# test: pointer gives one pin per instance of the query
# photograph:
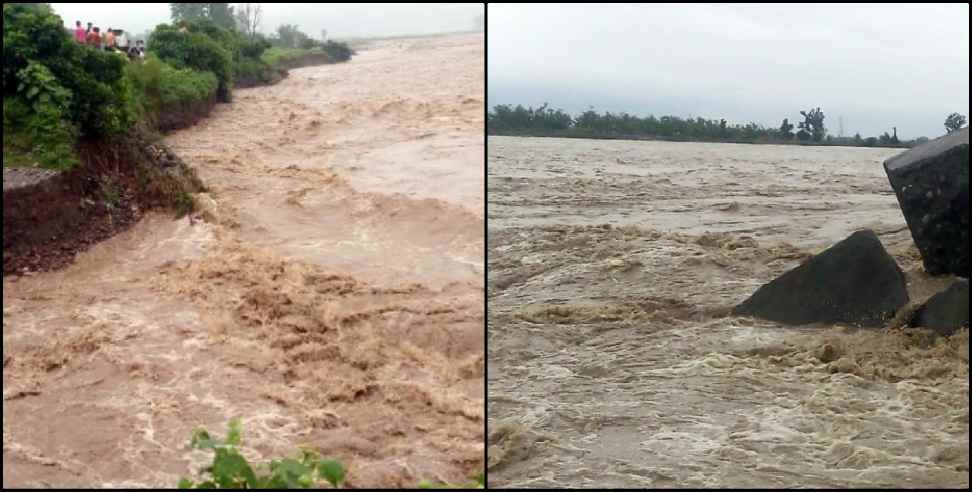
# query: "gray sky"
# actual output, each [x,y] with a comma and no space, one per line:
[878,66]
[340,19]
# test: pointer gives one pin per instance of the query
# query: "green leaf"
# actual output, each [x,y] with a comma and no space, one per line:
[332,471]
[234,437]
[185,483]
[229,467]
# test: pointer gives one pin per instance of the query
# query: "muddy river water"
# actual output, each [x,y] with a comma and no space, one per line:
[331,296]
[613,361]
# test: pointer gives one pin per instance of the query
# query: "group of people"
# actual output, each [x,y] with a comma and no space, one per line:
[112,40]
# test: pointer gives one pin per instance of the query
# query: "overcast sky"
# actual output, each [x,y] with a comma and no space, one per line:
[877,66]
[340,19]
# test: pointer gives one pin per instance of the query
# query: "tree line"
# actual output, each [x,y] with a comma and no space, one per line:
[545,121]
[247,18]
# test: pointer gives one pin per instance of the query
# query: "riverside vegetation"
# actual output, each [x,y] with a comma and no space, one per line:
[58,93]
[513,121]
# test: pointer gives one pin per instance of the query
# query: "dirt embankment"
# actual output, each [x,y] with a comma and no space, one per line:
[50,218]
[182,116]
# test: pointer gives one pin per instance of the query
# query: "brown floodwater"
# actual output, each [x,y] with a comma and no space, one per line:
[330,294]
[613,361]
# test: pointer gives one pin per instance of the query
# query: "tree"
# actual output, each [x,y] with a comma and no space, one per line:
[814,124]
[248,18]
[219,13]
[786,129]
[954,122]
[222,15]
[289,35]
[181,11]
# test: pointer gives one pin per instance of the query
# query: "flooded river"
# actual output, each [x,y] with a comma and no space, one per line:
[613,361]
[330,297]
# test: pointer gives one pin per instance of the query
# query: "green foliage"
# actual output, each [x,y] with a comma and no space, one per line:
[339,52]
[276,57]
[37,136]
[813,124]
[543,121]
[84,86]
[786,129]
[954,122]
[219,13]
[231,470]
[197,51]
[289,36]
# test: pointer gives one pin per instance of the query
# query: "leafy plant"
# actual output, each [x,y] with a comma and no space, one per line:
[231,470]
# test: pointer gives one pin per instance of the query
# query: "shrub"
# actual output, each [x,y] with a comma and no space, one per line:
[230,470]
[339,52]
[33,36]
[197,51]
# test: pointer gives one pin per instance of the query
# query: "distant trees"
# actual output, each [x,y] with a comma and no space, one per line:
[544,121]
[786,129]
[249,16]
[813,125]
[220,13]
[954,122]
[290,36]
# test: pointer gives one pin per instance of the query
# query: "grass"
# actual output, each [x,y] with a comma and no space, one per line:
[19,151]
[275,56]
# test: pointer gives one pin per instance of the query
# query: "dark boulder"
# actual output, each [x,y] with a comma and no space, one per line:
[932,185]
[854,282]
[947,311]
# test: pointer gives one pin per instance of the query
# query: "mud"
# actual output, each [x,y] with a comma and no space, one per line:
[614,362]
[49,217]
[329,292]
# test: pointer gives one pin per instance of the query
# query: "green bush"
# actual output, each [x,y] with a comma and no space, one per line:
[37,135]
[98,102]
[230,470]
[339,52]
[162,86]
[197,51]
[275,57]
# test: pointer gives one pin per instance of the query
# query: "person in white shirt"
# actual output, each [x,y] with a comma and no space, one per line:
[121,41]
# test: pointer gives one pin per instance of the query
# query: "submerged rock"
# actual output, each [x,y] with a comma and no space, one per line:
[932,185]
[855,282]
[947,312]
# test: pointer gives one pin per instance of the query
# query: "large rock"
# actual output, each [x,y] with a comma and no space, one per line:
[947,311]
[854,282]
[932,184]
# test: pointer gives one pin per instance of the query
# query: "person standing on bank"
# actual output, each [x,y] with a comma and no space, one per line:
[80,35]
